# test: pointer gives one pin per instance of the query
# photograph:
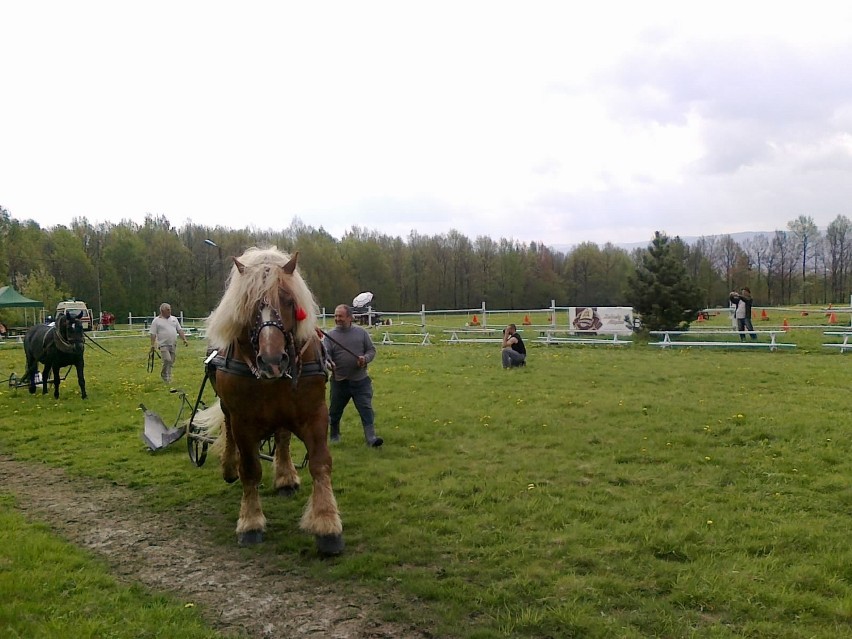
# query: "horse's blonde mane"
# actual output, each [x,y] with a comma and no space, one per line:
[243,290]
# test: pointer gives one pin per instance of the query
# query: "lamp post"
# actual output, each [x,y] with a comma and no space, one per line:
[213,244]
[86,240]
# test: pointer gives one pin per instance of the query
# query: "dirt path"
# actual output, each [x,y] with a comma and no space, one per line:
[233,592]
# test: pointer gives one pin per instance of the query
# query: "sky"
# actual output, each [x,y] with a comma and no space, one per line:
[553,122]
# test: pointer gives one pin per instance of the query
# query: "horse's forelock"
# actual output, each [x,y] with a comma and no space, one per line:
[244,289]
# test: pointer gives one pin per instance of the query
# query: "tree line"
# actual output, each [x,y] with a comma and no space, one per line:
[130,268]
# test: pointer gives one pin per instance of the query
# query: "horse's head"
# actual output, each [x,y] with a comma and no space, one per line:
[276,318]
[267,313]
[70,337]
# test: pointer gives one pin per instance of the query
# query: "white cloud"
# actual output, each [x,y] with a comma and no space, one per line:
[544,121]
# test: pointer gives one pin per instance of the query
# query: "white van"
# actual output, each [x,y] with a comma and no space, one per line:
[76,306]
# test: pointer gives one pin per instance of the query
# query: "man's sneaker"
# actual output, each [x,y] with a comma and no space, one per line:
[334,439]
[378,441]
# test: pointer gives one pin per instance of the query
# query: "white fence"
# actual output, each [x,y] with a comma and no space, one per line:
[601,320]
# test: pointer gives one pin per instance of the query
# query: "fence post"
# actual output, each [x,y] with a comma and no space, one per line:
[423,317]
[553,313]
[484,317]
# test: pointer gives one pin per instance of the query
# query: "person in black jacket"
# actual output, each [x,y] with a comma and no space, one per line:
[742,302]
[514,351]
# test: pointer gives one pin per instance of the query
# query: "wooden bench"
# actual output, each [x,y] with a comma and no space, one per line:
[404,339]
[553,336]
[668,342]
[844,345]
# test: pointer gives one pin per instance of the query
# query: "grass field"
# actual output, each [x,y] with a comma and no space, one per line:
[599,492]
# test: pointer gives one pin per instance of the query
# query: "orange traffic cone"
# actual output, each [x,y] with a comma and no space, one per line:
[474,321]
[804,313]
[786,325]
[832,319]
[527,321]
[701,317]
[763,315]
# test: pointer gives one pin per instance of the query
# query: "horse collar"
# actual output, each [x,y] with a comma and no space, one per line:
[61,343]
[294,367]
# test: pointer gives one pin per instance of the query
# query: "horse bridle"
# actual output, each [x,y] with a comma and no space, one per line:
[294,361]
[261,324]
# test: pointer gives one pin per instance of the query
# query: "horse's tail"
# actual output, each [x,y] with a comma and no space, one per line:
[210,421]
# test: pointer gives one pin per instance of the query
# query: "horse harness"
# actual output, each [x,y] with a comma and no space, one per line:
[244,367]
[61,342]
[296,367]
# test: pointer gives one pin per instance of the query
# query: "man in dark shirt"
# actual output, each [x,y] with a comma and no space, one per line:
[351,349]
[514,351]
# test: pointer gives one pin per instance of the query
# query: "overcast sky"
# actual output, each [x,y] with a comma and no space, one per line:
[559,122]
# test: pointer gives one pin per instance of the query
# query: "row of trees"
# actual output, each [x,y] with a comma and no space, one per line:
[130,268]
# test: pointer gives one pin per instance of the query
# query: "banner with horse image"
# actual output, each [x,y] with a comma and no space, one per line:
[601,320]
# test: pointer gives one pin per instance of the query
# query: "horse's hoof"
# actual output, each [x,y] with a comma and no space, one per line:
[230,480]
[250,538]
[288,491]
[330,545]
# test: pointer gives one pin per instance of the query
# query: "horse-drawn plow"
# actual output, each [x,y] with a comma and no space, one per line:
[156,434]
[21,382]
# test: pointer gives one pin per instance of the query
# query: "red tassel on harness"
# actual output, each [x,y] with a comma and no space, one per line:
[301,314]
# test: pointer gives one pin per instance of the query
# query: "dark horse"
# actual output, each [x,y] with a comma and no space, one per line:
[270,376]
[56,346]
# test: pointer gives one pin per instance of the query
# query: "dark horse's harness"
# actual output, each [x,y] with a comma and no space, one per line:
[61,342]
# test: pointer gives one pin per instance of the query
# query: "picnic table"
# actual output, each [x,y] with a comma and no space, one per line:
[480,335]
[570,336]
[844,345]
[671,339]
[405,339]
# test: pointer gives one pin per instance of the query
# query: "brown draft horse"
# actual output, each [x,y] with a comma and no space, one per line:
[270,376]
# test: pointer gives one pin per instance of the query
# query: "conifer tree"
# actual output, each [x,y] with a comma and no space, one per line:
[661,290]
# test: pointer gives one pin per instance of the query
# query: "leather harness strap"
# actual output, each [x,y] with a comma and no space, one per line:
[244,367]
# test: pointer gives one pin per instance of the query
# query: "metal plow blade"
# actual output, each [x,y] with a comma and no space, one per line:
[156,434]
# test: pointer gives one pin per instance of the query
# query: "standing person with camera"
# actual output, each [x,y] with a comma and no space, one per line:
[351,349]
[514,351]
[742,302]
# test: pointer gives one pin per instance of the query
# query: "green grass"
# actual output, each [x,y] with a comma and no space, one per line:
[599,492]
[51,589]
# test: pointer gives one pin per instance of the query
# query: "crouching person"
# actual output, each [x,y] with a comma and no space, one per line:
[514,351]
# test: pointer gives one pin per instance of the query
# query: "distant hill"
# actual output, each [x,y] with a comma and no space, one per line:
[739,238]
